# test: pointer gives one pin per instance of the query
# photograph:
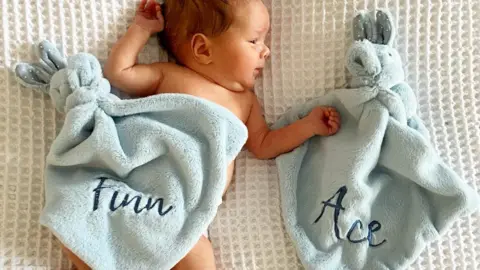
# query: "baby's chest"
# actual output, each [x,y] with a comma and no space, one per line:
[237,102]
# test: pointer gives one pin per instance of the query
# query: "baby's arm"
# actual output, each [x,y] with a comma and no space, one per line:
[121,68]
[265,143]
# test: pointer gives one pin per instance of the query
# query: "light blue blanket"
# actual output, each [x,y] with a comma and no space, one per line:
[372,196]
[130,184]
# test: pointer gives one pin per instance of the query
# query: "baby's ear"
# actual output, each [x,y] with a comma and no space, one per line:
[201,47]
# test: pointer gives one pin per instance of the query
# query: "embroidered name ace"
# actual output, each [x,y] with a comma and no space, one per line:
[373,226]
[139,201]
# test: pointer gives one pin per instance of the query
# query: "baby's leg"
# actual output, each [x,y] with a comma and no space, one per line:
[77,263]
[200,257]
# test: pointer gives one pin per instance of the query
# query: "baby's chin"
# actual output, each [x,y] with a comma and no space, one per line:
[241,86]
[249,85]
[250,82]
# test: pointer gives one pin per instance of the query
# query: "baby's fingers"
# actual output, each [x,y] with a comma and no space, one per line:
[141,6]
[329,111]
[332,111]
[335,119]
[159,11]
[331,114]
[151,6]
[333,127]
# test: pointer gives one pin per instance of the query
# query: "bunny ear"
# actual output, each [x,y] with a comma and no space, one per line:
[50,57]
[38,75]
[33,76]
[377,27]
[385,30]
[363,26]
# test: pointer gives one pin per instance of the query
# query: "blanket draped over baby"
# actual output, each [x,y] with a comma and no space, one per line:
[130,184]
[376,193]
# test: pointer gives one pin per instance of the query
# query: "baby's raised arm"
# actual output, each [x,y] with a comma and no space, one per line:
[121,68]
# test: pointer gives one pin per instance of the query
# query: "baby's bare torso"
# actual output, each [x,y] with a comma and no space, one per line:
[184,81]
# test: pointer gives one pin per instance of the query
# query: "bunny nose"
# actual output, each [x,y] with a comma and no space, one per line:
[363,59]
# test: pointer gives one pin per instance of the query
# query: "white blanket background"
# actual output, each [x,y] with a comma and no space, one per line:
[439,42]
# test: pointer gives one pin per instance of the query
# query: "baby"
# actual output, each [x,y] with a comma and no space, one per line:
[220,49]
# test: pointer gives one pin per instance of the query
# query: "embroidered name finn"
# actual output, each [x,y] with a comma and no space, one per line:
[138,201]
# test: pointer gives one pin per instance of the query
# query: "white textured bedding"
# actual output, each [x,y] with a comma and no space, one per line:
[438,40]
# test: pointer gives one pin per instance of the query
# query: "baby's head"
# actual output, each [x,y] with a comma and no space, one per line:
[223,40]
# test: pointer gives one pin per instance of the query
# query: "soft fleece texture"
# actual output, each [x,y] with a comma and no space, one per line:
[373,195]
[130,184]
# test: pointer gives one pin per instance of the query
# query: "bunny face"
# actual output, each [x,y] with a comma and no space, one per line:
[371,59]
[391,66]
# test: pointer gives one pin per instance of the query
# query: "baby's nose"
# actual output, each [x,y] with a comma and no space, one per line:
[265,53]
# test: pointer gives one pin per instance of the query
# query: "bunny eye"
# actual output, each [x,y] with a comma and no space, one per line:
[390,54]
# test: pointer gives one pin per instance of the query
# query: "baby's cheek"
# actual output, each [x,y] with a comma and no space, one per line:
[239,62]
[259,48]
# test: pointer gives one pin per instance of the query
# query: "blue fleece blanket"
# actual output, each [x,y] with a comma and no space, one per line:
[372,196]
[130,184]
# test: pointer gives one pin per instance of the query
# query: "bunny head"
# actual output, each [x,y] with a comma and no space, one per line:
[60,77]
[372,60]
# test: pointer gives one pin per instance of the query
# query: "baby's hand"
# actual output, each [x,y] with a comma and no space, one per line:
[149,16]
[325,121]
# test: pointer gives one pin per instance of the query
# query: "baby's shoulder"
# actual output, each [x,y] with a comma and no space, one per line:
[179,79]
[240,103]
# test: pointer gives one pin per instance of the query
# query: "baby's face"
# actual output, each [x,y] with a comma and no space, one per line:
[240,52]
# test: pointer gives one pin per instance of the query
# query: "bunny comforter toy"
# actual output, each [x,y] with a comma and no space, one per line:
[372,196]
[121,189]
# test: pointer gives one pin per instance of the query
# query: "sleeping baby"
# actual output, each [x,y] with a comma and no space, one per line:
[219,46]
